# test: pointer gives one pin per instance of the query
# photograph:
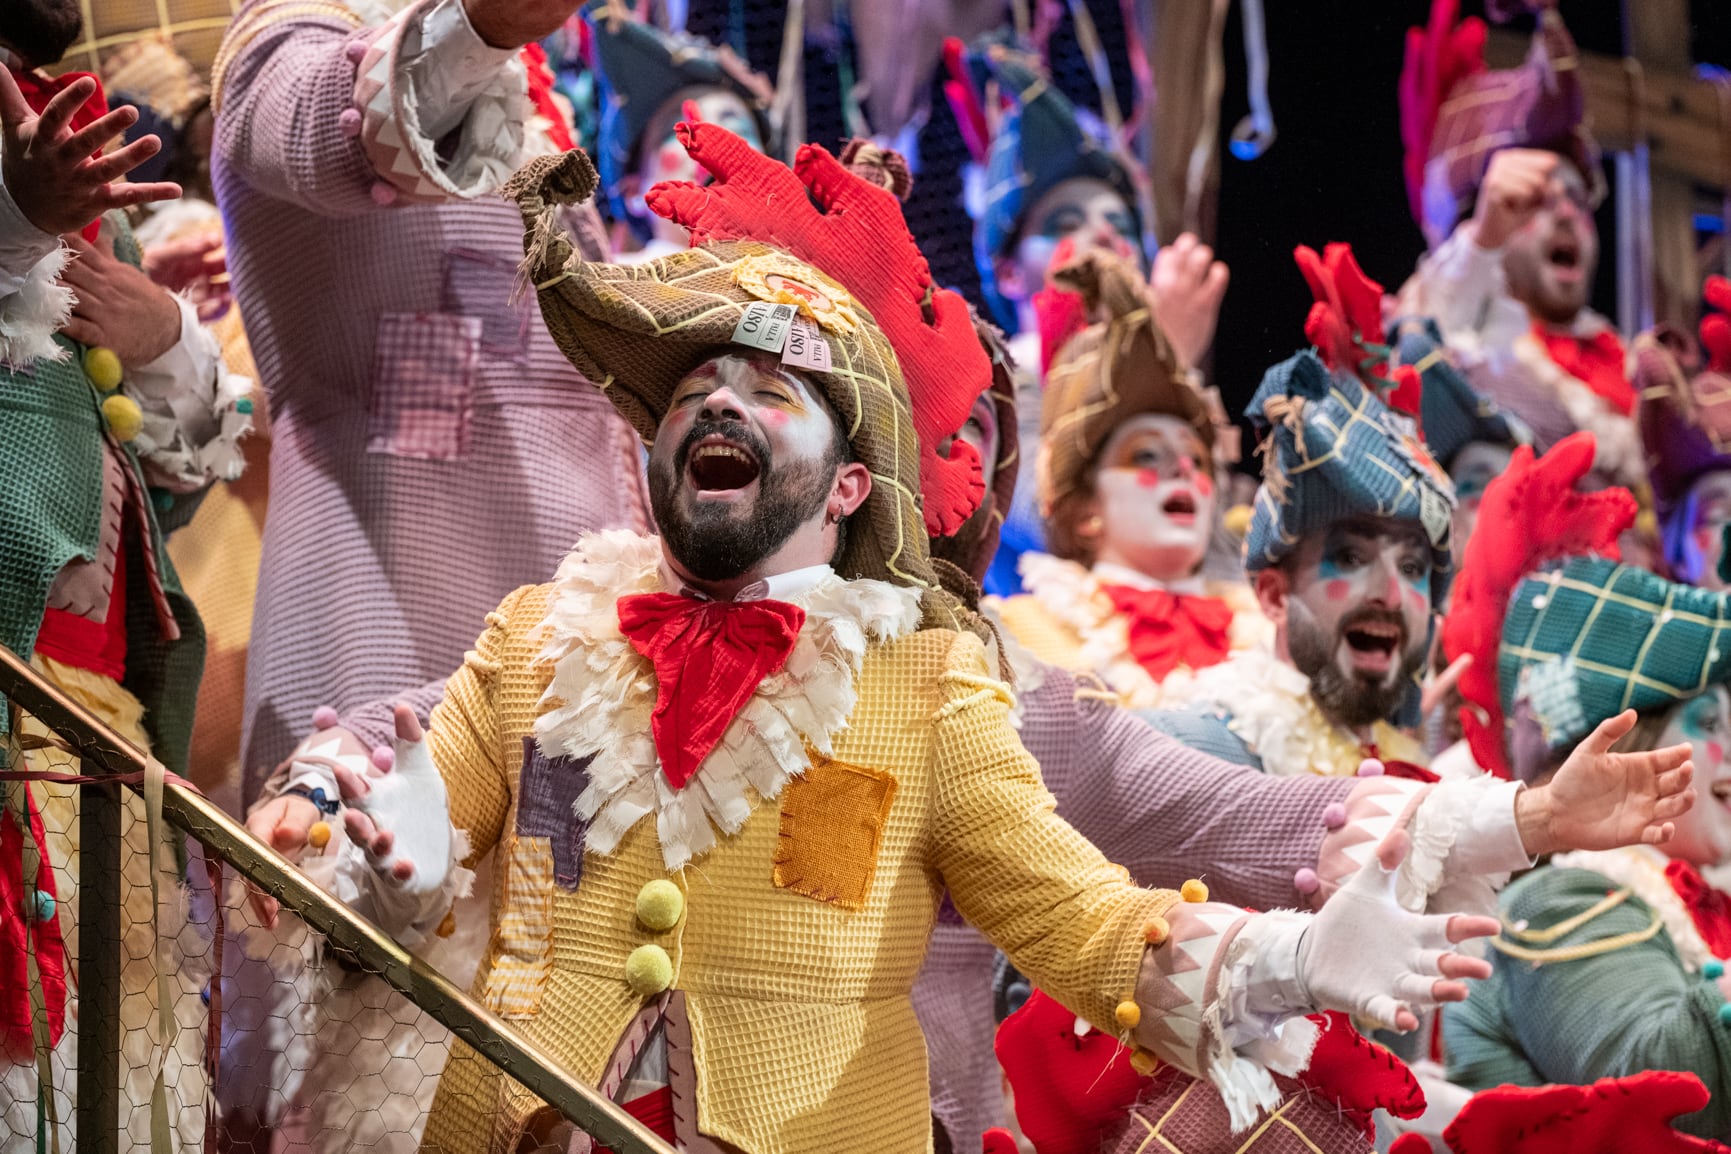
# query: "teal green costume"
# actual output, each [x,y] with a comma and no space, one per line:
[52,435]
[1631,1006]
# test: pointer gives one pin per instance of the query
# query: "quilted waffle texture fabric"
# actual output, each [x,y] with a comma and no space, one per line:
[1591,638]
[803,1030]
[1117,368]
[424,425]
[637,330]
[1333,450]
[1453,413]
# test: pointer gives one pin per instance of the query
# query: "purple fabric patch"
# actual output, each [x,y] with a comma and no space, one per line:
[948,914]
[423,385]
[479,284]
[547,792]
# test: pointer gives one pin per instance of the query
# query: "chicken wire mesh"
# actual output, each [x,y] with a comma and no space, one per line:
[116,1033]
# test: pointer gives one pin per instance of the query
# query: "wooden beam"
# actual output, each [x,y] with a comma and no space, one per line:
[1686,120]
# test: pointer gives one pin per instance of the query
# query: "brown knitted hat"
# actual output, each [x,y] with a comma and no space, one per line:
[638,330]
[1117,368]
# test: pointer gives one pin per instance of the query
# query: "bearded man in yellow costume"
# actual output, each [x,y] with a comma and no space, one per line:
[732,769]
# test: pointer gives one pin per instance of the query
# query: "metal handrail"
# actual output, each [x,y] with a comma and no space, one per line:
[347,932]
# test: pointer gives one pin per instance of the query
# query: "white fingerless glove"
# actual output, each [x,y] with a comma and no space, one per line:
[410,803]
[1365,955]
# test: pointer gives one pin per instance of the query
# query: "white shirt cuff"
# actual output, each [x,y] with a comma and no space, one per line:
[1265,988]
[22,244]
[1489,841]
[451,67]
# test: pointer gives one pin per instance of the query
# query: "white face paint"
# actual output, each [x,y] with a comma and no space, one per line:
[664,158]
[981,432]
[1084,210]
[1704,721]
[1476,465]
[1712,495]
[1155,498]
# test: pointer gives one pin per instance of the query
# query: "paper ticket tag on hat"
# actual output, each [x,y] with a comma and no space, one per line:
[806,347]
[1435,514]
[764,326]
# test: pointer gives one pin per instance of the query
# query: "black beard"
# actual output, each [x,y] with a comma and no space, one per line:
[1344,699]
[718,542]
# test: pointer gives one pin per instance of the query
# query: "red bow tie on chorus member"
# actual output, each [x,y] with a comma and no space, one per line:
[709,657]
[1709,908]
[38,89]
[1172,629]
[1600,361]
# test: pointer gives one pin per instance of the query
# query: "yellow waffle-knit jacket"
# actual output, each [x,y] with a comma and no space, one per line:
[803,1036]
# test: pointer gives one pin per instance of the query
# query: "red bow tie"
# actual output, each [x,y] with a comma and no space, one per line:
[39,88]
[1710,908]
[1600,361]
[1172,629]
[710,657]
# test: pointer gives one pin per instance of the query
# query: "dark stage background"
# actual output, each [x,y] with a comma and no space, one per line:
[1334,173]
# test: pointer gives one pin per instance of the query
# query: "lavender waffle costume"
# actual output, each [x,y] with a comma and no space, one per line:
[432,449]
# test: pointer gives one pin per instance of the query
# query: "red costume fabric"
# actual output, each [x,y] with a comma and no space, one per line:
[1600,362]
[1172,629]
[82,643]
[1536,508]
[39,88]
[1709,908]
[710,657]
[20,929]
[1612,1116]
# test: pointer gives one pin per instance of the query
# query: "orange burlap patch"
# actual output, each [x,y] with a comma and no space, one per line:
[832,821]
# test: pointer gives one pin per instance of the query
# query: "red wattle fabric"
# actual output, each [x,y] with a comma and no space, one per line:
[1612,1116]
[39,88]
[1358,1075]
[16,1040]
[654,1110]
[1172,629]
[1071,1092]
[1600,362]
[1709,908]
[541,96]
[710,657]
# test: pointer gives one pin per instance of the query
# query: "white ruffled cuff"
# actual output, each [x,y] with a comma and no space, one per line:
[1216,977]
[195,410]
[411,920]
[409,102]
[1465,845]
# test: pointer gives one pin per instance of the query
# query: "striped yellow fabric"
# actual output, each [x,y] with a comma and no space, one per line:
[803,1034]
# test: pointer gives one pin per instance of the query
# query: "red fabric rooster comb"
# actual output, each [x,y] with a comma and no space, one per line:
[1530,516]
[852,230]
[1345,325]
[1716,326]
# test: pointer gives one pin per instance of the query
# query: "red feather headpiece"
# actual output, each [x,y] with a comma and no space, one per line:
[855,233]
[1349,306]
[1530,516]
[1716,327]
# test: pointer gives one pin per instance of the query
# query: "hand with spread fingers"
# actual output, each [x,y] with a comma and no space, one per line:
[1601,800]
[1188,285]
[1363,954]
[55,175]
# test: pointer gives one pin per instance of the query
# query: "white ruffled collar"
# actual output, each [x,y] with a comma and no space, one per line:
[1268,705]
[1641,868]
[602,694]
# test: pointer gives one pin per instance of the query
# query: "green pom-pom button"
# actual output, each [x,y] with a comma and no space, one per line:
[1725,1014]
[244,405]
[1713,971]
[42,908]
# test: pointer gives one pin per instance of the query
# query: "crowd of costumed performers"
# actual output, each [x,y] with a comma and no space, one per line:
[814,711]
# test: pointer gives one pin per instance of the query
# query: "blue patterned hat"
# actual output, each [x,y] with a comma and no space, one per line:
[1332,450]
[1039,144]
[1454,413]
[640,68]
